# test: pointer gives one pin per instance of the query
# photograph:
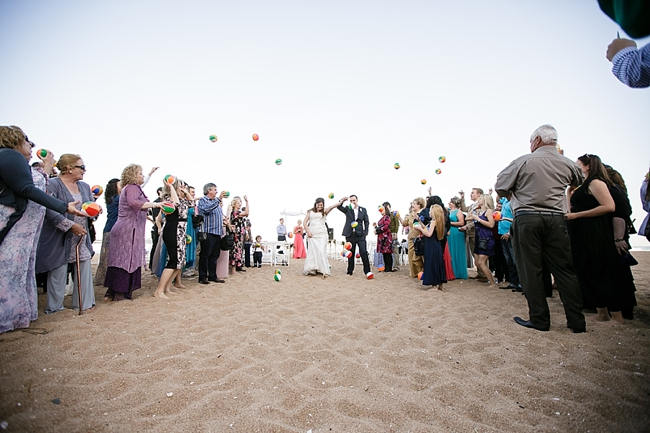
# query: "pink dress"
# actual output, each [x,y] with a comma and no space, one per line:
[299,251]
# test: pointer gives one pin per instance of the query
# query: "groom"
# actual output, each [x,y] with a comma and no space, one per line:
[355,235]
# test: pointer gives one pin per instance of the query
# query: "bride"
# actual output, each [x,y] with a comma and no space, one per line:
[317,237]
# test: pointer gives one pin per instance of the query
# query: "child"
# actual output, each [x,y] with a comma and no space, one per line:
[257,252]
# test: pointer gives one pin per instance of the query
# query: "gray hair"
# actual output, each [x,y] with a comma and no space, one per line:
[207,187]
[547,133]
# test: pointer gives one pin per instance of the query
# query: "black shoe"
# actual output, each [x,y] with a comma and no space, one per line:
[203,282]
[240,270]
[509,286]
[577,330]
[527,324]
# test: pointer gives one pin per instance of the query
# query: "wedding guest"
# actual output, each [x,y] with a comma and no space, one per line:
[469,227]
[248,243]
[190,233]
[415,262]
[299,251]
[622,229]
[22,207]
[644,230]
[282,231]
[60,236]
[155,229]
[210,233]
[456,239]
[591,233]
[236,218]
[433,233]
[173,235]
[315,224]
[536,185]
[504,225]
[395,223]
[385,238]
[112,198]
[124,273]
[484,243]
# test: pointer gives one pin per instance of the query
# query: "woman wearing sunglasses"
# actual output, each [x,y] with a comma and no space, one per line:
[60,236]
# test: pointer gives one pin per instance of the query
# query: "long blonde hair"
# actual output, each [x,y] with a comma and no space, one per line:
[439,216]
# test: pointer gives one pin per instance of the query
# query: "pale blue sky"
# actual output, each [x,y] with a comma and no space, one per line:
[339,90]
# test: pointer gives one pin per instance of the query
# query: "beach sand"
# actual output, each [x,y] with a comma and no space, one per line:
[342,354]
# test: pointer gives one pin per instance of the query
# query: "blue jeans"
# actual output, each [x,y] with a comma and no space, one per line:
[509,254]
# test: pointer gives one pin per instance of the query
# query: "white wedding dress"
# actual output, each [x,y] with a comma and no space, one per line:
[316,260]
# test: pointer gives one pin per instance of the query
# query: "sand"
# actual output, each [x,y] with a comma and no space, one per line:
[337,355]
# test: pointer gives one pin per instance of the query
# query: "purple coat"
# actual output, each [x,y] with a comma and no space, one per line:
[126,247]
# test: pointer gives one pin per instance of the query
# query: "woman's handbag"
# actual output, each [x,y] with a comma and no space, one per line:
[227,242]
[418,246]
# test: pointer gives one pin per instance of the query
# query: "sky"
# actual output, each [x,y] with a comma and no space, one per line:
[339,90]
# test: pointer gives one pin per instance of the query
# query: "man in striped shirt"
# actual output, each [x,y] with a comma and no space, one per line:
[210,233]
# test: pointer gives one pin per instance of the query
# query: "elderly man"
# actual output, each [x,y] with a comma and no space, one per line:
[210,233]
[536,184]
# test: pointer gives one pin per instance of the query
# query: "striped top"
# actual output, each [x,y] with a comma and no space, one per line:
[632,66]
[212,215]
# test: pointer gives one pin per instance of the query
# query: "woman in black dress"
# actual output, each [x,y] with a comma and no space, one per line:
[173,235]
[592,240]
[433,233]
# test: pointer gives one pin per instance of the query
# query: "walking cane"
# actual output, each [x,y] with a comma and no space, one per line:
[79,273]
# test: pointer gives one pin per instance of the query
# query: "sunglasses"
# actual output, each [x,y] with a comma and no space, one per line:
[82,167]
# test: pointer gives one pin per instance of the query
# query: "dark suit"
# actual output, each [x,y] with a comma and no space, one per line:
[356,236]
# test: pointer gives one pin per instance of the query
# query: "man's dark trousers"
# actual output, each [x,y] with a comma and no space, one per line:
[361,242]
[210,250]
[541,240]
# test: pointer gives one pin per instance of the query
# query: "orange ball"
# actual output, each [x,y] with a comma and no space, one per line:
[256,137]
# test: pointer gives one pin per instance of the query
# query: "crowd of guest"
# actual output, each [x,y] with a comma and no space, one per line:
[41,207]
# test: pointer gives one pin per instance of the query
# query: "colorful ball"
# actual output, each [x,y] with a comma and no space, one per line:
[256,137]
[381,269]
[277,277]
[278,272]
[278,161]
[188,239]
[347,246]
[396,166]
[226,194]
[370,276]
[420,275]
[290,234]
[497,216]
[213,138]
[358,256]
[97,190]
[442,159]
[169,179]
[331,195]
[438,171]
[91,208]
[381,209]
[423,181]
[167,207]
[347,254]
[354,224]
[42,153]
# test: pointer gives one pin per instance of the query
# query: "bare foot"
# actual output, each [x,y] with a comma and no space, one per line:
[180,286]
[160,295]
[603,314]
[440,288]
[618,317]
[108,299]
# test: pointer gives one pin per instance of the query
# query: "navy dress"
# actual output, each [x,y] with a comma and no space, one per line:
[434,264]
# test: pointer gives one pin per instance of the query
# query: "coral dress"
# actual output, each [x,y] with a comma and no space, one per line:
[299,251]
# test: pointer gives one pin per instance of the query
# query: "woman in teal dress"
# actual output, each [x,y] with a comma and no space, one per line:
[456,240]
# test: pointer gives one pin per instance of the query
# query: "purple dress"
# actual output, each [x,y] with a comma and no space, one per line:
[127,244]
